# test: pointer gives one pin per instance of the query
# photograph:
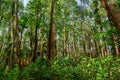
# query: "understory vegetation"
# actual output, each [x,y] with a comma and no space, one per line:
[65,68]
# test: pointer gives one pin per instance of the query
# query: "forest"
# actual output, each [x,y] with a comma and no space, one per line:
[59,39]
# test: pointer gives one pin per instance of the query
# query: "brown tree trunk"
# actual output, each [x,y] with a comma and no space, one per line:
[41,42]
[116,47]
[17,40]
[64,43]
[101,40]
[112,12]
[0,13]
[74,41]
[0,3]
[113,15]
[54,47]
[36,38]
[12,35]
[42,36]
[89,46]
[84,45]
[96,49]
[50,44]
[31,44]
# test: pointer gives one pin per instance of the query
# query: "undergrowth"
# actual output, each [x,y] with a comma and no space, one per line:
[65,68]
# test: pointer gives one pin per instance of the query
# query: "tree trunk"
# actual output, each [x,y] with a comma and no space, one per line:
[31,44]
[50,39]
[36,38]
[64,43]
[116,47]
[12,35]
[0,3]
[17,40]
[89,46]
[0,13]
[84,45]
[101,41]
[42,36]
[54,47]
[96,48]
[41,42]
[112,13]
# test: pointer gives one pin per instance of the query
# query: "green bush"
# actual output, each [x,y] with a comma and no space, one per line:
[65,68]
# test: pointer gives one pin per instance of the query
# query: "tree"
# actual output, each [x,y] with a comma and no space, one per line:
[113,16]
[112,13]
[17,37]
[51,39]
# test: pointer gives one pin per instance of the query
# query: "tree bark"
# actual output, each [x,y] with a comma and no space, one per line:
[42,36]
[116,47]
[1,16]
[50,44]
[54,47]
[17,38]
[12,35]
[31,44]
[112,13]
[36,37]
[41,42]
[17,41]
[64,43]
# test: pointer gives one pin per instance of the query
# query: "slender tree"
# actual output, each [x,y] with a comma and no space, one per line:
[36,35]
[12,33]
[51,50]
[17,38]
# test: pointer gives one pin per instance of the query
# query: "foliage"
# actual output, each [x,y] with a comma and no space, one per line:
[80,28]
[41,67]
[66,68]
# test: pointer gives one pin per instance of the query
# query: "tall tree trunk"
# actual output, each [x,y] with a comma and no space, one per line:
[116,47]
[42,36]
[54,47]
[41,42]
[112,12]
[64,42]
[113,15]
[36,37]
[17,40]
[12,35]
[84,45]
[74,41]
[31,43]
[0,3]
[89,46]
[1,16]
[101,41]
[50,44]
[96,48]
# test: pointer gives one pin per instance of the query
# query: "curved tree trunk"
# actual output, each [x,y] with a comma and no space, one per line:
[113,13]
[114,16]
